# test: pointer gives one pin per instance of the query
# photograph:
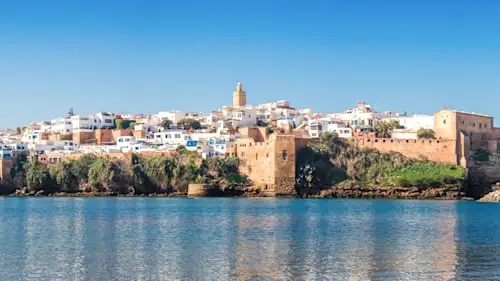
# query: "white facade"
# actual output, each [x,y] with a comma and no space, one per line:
[171,137]
[44,146]
[318,127]
[61,126]
[363,115]
[84,123]
[415,122]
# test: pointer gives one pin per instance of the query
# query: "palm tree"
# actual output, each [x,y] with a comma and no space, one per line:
[384,129]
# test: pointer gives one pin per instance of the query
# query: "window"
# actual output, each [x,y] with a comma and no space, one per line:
[168,136]
[474,124]
[243,154]
[256,156]
[177,136]
[485,126]
[480,126]
[444,121]
[284,154]
[463,122]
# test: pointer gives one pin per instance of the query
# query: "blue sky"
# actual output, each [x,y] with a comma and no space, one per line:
[148,56]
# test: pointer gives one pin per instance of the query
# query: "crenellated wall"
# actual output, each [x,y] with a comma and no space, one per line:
[444,151]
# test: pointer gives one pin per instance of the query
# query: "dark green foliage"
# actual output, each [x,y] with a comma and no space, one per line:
[188,123]
[80,167]
[144,175]
[481,155]
[18,171]
[62,174]
[166,123]
[106,175]
[124,124]
[37,176]
[426,134]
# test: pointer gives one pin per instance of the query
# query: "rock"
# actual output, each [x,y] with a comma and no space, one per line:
[41,193]
[493,196]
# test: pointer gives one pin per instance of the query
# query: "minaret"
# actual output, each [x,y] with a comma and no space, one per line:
[239,96]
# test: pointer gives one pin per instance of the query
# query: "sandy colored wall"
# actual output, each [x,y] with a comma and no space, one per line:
[443,151]
[5,165]
[284,162]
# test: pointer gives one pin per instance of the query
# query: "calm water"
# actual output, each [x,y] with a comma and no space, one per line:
[244,239]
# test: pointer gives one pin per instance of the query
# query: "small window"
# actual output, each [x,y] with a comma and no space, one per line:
[256,156]
[243,154]
[485,126]
[480,126]
[463,122]
[444,121]
[267,155]
[284,154]
[474,124]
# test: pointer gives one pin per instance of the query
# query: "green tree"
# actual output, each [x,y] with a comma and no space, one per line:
[426,134]
[189,123]
[37,176]
[62,174]
[18,170]
[121,124]
[80,167]
[108,175]
[166,123]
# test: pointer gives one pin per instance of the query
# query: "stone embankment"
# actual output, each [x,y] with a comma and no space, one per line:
[370,192]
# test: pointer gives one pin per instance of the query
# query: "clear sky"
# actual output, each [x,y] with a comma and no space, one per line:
[149,56]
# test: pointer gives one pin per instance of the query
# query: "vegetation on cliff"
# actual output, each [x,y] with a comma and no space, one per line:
[331,161]
[140,175]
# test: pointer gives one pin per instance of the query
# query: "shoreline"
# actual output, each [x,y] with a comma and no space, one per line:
[245,196]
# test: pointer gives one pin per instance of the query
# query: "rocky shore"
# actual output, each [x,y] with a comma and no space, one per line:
[341,191]
[371,192]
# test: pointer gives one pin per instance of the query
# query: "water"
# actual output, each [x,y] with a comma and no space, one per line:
[245,239]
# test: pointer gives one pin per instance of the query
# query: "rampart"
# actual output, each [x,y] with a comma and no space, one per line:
[437,150]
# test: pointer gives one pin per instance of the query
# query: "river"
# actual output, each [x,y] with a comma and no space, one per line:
[247,239]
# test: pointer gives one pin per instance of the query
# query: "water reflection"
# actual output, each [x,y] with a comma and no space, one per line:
[233,239]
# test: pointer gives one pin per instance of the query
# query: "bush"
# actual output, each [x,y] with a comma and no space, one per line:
[426,134]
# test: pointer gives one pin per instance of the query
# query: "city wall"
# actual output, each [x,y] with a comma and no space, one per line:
[101,137]
[443,151]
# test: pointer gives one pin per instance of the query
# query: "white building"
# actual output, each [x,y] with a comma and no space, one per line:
[171,137]
[44,146]
[318,127]
[173,115]
[61,126]
[363,115]
[414,123]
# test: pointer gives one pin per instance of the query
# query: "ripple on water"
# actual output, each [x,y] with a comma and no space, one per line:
[238,239]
